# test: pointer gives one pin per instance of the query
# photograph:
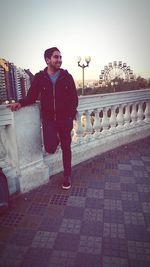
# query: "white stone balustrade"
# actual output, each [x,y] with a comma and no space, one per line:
[103,123]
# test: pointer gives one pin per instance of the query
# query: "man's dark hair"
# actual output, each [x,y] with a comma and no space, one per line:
[48,52]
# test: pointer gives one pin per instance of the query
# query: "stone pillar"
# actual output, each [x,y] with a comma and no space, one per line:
[113,120]
[23,150]
[88,126]
[96,124]
[134,114]
[120,119]
[147,111]
[105,120]
[78,129]
[127,116]
[140,113]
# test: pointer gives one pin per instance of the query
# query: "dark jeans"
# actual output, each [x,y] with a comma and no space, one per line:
[55,132]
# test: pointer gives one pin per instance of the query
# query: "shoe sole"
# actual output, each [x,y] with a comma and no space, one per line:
[66,187]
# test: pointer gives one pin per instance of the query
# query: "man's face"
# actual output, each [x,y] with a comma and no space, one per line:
[55,61]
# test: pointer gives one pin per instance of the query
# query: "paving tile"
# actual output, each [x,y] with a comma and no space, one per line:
[91,228]
[39,257]
[141,173]
[30,221]
[13,255]
[50,224]
[5,233]
[11,219]
[62,258]
[115,247]
[127,179]
[130,187]
[144,196]
[137,162]
[131,206]
[88,260]
[74,213]
[67,242]
[139,250]
[145,158]
[71,226]
[147,168]
[125,167]
[112,194]
[137,233]
[76,201]
[113,204]
[114,262]
[114,216]
[90,244]
[37,209]
[22,237]
[129,196]
[143,188]
[112,186]
[44,239]
[59,199]
[94,203]
[95,193]
[78,191]
[114,230]
[55,211]
[95,215]
[134,218]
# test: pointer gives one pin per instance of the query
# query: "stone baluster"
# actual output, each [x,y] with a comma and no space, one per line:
[147,112]
[120,118]
[78,129]
[105,120]
[96,125]
[140,113]
[88,126]
[134,114]
[127,115]
[113,120]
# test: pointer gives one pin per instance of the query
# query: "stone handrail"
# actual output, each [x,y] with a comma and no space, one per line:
[112,112]
[103,122]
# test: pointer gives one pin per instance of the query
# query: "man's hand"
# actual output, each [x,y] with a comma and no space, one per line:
[14,106]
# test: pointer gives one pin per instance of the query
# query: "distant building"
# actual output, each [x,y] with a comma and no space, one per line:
[87,83]
[3,79]
[14,82]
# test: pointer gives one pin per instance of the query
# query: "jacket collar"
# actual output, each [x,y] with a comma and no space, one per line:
[62,72]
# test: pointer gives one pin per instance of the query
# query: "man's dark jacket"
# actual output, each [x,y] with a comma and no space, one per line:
[57,102]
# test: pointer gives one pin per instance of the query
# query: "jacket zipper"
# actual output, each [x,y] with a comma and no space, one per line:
[54,103]
[54,97]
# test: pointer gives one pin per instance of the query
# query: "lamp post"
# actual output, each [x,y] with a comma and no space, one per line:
[114,85]
[83,66]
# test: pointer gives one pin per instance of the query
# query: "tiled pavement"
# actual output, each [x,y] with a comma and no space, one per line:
[102,221]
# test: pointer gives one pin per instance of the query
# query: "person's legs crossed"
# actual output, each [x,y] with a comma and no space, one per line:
[50,136]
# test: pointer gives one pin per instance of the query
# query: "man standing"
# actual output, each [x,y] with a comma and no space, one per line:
[56,90]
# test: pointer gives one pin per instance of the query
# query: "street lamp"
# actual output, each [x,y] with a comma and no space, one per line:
[83,66]
[114,85]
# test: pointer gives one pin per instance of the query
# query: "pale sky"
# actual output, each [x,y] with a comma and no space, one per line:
[106,30]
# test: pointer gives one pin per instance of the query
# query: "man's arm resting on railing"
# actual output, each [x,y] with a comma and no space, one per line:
[31,97]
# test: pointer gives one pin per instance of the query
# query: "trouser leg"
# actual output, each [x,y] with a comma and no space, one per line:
[50,136]
[64,130]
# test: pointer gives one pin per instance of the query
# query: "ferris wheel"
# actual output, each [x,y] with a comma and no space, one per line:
[115,71]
